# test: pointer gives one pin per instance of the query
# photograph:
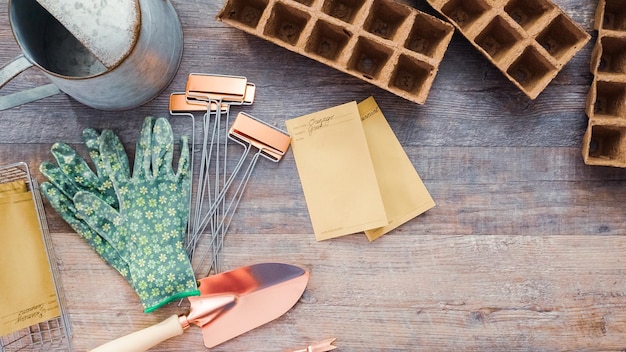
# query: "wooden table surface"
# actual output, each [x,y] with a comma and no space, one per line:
[523,252]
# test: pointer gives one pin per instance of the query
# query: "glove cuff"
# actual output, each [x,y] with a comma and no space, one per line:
[175,297]
[163,280]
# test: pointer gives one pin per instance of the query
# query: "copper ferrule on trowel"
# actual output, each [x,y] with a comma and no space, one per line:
[205,309]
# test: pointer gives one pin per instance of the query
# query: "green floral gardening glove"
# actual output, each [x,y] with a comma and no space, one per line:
[148,229]
[73,175]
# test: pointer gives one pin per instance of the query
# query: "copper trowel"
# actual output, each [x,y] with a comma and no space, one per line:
[230,304]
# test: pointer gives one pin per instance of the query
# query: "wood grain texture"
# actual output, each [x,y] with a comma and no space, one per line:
[523,252]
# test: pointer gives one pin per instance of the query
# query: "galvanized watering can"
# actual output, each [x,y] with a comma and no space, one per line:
[106,54]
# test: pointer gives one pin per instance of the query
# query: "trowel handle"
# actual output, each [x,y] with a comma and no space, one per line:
[143,340]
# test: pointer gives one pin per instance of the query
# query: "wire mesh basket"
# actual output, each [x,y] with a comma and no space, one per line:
[54,334]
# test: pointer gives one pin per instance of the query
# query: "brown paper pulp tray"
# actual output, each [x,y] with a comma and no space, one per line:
[385,43]
[604,142]
[528,40]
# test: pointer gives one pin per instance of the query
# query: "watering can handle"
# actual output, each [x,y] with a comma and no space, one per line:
[143,340]
[14,68]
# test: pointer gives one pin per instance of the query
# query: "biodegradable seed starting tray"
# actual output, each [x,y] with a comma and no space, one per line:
[388,44]
[604,142]
[528,40]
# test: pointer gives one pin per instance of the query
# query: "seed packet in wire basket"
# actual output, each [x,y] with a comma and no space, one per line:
[32,313]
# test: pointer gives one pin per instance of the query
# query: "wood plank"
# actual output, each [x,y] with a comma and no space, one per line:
[477,191]
[473,293]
